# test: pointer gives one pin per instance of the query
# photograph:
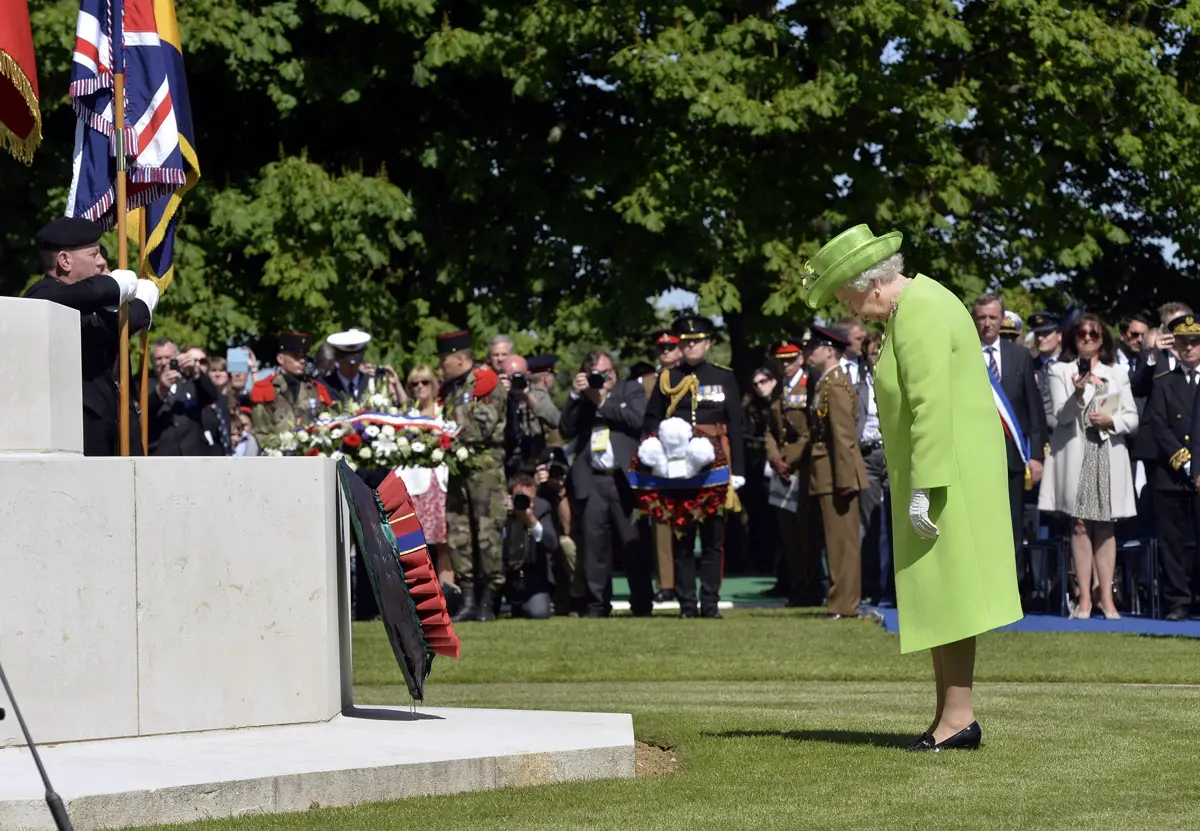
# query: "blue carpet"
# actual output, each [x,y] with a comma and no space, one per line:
[1054,623]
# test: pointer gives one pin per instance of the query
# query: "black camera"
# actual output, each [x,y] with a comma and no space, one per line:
[521,502]
[596,379]
[557,471]
[174,364]
[518,381]
[1084,365]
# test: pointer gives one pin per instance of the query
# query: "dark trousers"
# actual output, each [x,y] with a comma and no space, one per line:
[607,515]
[876,556]
[800,554]
[1031,566]
[712,541]
[1177,513]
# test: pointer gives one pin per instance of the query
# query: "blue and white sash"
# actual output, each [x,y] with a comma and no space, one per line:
[1008,418]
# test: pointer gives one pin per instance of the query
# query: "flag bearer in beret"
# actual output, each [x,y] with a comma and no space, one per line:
[666,346]
[288,398]
[706,395]
[837,472]
[76,276]
[1171,419]
[789,452]
[474,399]
[956,575]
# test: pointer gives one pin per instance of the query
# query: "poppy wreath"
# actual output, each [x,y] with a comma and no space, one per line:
[682,507]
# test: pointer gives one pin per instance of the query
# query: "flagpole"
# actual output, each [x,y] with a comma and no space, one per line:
[122,247]
[144,387]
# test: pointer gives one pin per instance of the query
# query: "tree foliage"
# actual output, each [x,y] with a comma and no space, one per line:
[545,166]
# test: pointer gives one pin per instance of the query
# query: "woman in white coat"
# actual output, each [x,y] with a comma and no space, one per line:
[1087,473]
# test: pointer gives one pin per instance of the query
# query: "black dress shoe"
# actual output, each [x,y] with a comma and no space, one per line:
[713,615]
[966,739]
[1177,615]
[664,596]
[685,611]
[925,742]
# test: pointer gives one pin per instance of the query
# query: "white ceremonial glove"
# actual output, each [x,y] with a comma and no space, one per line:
[127,281]
[737,482]
[918,513]
[147,292]
[1187,469]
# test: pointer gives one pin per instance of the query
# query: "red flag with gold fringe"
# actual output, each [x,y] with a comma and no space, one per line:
[20,117]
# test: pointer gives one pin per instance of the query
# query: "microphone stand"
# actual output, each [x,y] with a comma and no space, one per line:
[53,801]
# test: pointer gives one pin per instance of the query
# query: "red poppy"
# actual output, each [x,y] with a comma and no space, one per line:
[690,504]
[444,441]
[312,451]
[352,440]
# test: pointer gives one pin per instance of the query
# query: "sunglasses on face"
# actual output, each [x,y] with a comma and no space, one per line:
[1088,334]
[1187,343]
[421,382]
[1135,335]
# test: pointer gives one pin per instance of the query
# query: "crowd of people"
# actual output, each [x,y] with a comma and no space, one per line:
[1099,438]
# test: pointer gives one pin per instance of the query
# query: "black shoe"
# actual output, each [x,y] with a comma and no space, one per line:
[925,742]
[713,615]
[468,610]
[641,610]
[1177,615]
[487,606]
[968,738]
[665,596]
[687,611]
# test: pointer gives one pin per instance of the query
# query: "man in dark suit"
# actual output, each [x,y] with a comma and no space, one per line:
[877,582]
[1171,419]
[1013,366]
[603,418]
[77,276]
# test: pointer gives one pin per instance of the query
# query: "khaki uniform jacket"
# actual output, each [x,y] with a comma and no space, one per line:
[788,436]
[837,463]
[275,407]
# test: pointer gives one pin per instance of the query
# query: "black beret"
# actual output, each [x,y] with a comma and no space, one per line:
[294,342]
[68,233]
[541,363]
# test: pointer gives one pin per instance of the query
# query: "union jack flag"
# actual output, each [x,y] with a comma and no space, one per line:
[141,38]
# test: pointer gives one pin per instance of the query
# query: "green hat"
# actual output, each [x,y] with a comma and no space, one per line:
[842,259]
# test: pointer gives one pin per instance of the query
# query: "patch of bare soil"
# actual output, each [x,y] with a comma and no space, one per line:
[655,760]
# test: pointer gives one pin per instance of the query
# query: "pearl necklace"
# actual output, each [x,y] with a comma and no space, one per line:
[896,300]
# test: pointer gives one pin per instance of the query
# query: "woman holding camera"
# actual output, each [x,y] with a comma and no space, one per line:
[1088,475]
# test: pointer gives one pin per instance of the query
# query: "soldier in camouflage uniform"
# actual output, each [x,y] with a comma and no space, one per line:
[288,398]
[473,398]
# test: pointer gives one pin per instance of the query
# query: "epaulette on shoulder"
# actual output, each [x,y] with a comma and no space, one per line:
[721,366]
[263,392]
[1162,374]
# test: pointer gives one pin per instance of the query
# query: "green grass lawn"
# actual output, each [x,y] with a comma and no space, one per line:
[784,720]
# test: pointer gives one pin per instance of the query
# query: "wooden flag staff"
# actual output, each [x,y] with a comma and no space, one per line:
[122,252]
[144,387]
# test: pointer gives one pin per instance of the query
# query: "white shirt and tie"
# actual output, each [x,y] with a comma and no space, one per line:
[850,367]
[992,359]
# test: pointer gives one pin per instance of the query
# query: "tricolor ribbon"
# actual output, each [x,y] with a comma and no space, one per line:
[1008,418]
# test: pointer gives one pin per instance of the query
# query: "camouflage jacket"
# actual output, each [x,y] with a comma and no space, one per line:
[476,403]
[279,405]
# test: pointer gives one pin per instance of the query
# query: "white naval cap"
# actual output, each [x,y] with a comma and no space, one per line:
[349,344]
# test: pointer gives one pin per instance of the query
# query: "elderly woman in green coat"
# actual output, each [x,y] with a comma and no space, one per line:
[945,448]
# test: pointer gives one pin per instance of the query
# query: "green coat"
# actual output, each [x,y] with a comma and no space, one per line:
[941,431]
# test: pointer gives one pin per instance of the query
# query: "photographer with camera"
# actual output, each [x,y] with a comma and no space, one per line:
[551,480]
[177,403]
[530,540]
[603,417]
[531,414]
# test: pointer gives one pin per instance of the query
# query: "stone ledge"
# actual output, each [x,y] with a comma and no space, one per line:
[369,755]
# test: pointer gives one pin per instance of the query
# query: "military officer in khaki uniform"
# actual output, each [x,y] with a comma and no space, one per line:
[666,346]
[838,473]
[290,397]
[789,452]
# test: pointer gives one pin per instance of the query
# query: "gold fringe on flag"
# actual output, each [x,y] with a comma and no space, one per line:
[22,147]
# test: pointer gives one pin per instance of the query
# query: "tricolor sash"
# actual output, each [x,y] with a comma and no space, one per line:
[1008,418]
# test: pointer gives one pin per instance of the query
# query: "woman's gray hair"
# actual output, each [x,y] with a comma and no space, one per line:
[884,271]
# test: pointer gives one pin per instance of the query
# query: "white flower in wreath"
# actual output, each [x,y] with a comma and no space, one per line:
[437,455]
[337,454]
[272,452]
[418,447]
[388,431]
[393,410]
[461,454]
[401,442]
[337,433]
[364,453]
[287,440]
[379,401]
[351,464]
[324,416]
[450,427]
[372,431]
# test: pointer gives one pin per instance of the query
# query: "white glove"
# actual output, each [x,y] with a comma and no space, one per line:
[1187,469]
[147,292]
[737,482]
[127,281]
[918,513]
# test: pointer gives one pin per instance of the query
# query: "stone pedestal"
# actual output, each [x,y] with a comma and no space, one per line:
[41,395]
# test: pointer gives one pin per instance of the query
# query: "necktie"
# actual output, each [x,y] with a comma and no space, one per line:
[992,368]
[1191,376]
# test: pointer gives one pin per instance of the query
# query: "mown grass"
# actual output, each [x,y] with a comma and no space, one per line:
[783,720]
